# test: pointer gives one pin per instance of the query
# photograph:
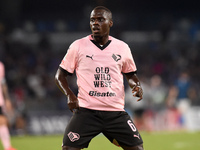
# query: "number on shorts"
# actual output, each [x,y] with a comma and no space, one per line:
[132,125]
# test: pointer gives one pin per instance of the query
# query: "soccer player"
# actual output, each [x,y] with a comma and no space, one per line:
[99,61]
[4,103]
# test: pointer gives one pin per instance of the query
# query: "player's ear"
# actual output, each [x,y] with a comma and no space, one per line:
[111,23]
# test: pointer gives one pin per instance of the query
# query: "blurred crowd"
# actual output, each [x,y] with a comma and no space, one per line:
[168,65]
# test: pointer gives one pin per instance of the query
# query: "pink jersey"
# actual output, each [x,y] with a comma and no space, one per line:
[99,72]
[2,74]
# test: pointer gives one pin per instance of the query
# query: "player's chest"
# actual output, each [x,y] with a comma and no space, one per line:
[99,57]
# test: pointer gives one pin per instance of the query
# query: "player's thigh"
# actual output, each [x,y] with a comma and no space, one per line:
[121,130]
[82,127]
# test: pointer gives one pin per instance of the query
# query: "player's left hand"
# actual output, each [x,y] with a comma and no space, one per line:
[137,92]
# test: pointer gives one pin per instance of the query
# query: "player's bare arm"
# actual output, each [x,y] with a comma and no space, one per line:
[134,83]
[62,83]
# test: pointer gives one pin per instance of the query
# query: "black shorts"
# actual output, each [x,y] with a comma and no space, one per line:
[85,124]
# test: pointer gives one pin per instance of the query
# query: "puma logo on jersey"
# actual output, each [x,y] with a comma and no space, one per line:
[116,57]
[73,136]
[89,56]
[137,136]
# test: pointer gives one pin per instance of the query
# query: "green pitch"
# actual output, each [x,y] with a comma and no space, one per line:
[152,141]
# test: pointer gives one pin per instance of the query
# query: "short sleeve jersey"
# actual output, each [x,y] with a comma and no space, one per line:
[2,74]
[99,72]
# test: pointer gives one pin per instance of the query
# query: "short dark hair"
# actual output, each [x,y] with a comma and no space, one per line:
[104,8]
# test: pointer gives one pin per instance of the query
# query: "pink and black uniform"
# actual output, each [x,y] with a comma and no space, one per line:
[2,79]
[100,92]
[99,72]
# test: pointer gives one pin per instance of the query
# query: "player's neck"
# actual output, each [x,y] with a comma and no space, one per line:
[100,40]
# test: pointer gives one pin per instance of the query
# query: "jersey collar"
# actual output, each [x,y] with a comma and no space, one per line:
[99,46]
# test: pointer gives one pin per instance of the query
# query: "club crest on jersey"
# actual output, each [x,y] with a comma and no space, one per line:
[116,57]
[73,136]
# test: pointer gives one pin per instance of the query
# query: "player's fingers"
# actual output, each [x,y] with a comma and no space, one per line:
[139,99]
[71,106]
[137,93]
[134,90]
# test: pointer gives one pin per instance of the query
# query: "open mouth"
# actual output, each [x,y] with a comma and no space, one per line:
[95,30]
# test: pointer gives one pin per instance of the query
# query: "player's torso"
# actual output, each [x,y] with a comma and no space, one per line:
[98,58]
[101,66]
[99,75]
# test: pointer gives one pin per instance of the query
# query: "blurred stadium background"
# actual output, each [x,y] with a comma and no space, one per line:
[164,37]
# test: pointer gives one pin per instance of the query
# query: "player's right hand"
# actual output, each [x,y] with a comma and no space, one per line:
[72,102]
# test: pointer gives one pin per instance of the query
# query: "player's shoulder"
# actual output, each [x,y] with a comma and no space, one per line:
[118,42]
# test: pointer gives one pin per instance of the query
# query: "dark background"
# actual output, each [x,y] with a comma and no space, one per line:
[164,37]
[13,12]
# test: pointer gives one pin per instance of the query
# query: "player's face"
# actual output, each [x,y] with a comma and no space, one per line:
[100,23]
